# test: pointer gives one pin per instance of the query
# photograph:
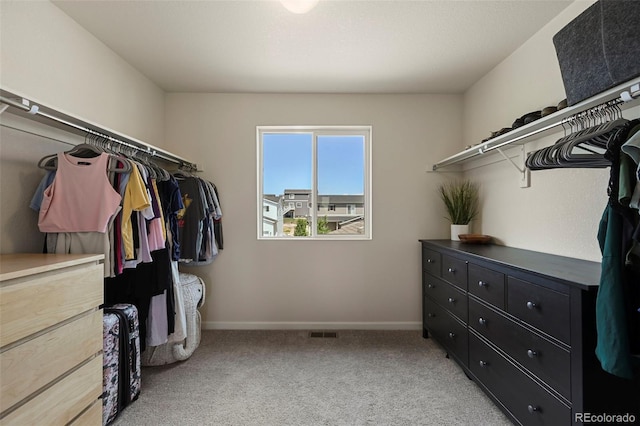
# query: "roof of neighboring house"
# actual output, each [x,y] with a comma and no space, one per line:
[271,197]
[297,191]
[355,227]
[340,199]
[337,217]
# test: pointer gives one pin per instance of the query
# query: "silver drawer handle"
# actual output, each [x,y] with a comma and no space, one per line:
[452,335]
[482,321]
[532,353]
[532,408]
[483,284]
[429,260]
[451,300]
[452,270]
[483,363]
[531,305]
[431,286]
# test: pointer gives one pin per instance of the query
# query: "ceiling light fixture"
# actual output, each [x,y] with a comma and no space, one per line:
[299,6]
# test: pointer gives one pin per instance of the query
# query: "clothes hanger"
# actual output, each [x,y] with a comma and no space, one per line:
[586,146]
[181,173]
[84,150]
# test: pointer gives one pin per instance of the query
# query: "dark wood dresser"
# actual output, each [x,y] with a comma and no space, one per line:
[521,324]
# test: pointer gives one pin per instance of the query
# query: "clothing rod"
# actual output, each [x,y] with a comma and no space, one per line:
[34,109]
[17,129]
[627,95]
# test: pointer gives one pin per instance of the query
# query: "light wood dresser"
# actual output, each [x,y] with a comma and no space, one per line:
[50,339]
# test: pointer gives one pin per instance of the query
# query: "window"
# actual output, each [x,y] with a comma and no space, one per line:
[266,209]
[328,166]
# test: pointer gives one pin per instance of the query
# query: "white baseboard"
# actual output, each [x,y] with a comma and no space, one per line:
[285,325]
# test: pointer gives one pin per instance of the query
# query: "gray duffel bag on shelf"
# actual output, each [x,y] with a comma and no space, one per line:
[193,293]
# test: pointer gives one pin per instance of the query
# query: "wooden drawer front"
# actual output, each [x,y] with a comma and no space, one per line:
[450,332]
[93,416]
[455,271]
[447,296]
[431,261]
[525,399]
[35,363]
[32,305]
[549,362]
[543,308]
[62,402]
[488,285]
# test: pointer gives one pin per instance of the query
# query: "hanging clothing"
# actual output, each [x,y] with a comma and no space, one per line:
[632,148]
[190,218]
[199,222]
[617,303]
[36,200]
[141,238]
[80,198]
[136,198]
[612,349]
[169,192]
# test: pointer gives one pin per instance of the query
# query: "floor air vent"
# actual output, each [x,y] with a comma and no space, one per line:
[329,334]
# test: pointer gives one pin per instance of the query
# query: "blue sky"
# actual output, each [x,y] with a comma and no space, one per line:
[287,164]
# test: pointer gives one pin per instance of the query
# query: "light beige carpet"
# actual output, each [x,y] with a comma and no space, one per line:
[273,378]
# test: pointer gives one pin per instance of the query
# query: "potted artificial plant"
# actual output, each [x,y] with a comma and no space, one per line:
[461,202]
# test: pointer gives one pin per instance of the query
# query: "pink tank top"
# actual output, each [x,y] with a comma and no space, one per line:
[80,199]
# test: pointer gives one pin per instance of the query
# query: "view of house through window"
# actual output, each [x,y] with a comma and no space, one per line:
[303,167]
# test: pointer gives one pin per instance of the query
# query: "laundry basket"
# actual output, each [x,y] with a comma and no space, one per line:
[193,293]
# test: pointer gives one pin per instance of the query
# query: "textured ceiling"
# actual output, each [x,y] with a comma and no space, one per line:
[340,46]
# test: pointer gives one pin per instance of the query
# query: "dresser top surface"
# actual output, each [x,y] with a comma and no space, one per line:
[570,270]
[23,264]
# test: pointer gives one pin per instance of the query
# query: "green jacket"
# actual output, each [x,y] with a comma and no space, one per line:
[612,348]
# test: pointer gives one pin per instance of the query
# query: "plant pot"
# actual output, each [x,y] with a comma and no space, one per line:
[457,230]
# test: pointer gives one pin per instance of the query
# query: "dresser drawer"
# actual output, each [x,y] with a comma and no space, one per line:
[47,357]
[30,305]
[431,261]
[488,285]
[529,402]
[447,296]
[447,330]
[92,416]
[454,270]
[63,401]
[546,360]
[543,308]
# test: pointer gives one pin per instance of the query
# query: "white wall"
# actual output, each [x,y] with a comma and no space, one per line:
[279,284]
[49,58]
[560,212]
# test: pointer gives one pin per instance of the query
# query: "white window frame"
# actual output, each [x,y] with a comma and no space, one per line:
[365,131]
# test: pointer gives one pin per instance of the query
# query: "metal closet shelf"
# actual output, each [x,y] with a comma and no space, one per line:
[545,125]
[49,116]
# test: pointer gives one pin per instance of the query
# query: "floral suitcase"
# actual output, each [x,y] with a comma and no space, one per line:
[121,365]
[110,367]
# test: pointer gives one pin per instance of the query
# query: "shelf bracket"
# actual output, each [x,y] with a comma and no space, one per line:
[525,173]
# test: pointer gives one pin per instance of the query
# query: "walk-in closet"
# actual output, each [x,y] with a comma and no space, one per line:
[235,212]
